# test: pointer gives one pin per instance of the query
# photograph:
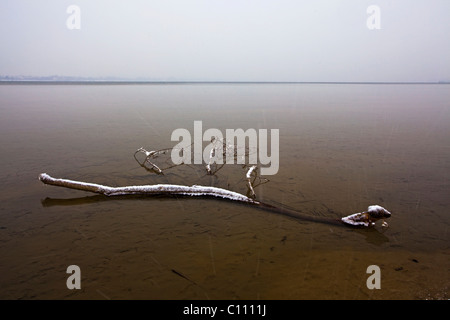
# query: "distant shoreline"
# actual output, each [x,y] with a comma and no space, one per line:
[134,82]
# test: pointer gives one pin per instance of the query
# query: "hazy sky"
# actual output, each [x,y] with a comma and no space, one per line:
[244,40]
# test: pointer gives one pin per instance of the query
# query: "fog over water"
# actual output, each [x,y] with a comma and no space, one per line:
[257,40]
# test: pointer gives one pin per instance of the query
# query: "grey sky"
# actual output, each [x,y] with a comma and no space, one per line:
[244,40]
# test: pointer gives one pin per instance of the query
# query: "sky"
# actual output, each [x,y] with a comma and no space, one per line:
[228,40]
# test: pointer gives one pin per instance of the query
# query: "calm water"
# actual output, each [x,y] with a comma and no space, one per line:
[342,148]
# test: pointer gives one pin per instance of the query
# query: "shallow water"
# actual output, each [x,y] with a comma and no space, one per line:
[342,148]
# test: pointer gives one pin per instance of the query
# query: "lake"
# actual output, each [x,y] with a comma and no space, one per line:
[343,147]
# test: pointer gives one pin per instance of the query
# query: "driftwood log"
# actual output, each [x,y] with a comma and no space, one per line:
[365,219]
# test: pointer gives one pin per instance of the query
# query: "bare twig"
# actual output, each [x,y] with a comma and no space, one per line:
[249,183]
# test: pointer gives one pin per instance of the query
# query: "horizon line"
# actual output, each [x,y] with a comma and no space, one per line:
[127,81]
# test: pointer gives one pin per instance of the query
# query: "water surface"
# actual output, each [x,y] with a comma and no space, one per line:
[342,148]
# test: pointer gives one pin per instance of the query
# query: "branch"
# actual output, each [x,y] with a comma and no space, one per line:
[149,155]
[249,176]
[157,189]
[366,218]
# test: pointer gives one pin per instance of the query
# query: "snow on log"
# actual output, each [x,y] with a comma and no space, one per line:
[156,189]
[367,218]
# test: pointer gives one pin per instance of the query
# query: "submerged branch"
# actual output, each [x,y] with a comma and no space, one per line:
[358,219]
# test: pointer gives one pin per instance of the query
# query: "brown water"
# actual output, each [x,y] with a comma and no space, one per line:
[342,148]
